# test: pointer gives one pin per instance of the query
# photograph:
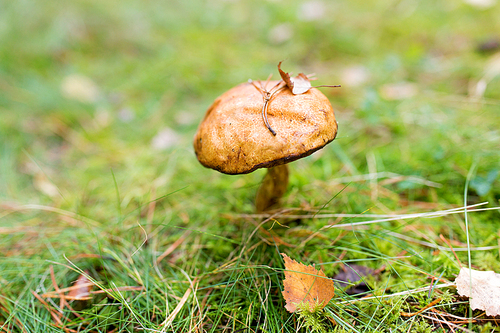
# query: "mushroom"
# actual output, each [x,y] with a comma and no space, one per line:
[248,128]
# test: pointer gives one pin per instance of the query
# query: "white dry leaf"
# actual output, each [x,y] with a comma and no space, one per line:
[482,288]
[491,71]
[298,84]
[481,4]
[43,184]
[80,88]
[102,118]
[301,84]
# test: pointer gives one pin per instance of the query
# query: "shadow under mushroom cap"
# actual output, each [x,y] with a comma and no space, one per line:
[233,139]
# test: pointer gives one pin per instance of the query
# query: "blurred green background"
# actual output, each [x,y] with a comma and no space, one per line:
[88,85]
[99,101]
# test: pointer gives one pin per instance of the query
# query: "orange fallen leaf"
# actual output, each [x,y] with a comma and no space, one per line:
[305,284]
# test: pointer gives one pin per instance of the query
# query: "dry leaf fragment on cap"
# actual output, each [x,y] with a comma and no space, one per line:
[305,284]
[298,84]
[232,140]
[301,83]
[482,288]
[285,77]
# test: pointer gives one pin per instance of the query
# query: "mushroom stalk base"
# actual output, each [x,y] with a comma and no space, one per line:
[272,188]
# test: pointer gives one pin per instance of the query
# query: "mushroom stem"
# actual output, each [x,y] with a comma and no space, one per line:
[272,188]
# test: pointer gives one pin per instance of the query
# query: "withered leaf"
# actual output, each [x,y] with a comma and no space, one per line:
[301,84]
[305,284]
[80,88]
[298,84]
[81,288]
[353,276]
[482,288]
[285,77]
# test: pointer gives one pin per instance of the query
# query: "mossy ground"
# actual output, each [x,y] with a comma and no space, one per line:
[87,183]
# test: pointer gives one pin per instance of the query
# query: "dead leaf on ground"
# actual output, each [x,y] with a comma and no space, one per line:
[81,288]
[352,274]
[481,4]
[305,284]
[482,288]
[80,88]
[43,184]
[491,71]
[491,44]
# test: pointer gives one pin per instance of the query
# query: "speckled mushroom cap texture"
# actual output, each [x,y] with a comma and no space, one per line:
[233,138]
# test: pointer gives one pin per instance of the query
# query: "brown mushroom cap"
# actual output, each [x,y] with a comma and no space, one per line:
[233,139]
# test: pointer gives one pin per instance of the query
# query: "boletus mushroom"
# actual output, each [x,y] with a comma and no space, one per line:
[249,127]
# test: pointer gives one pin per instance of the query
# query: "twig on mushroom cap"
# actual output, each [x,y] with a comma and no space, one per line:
[231,141]
[267,95]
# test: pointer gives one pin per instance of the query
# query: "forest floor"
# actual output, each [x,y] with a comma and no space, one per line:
[99,184]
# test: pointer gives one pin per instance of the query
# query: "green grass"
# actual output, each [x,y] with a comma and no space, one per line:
[83,188]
